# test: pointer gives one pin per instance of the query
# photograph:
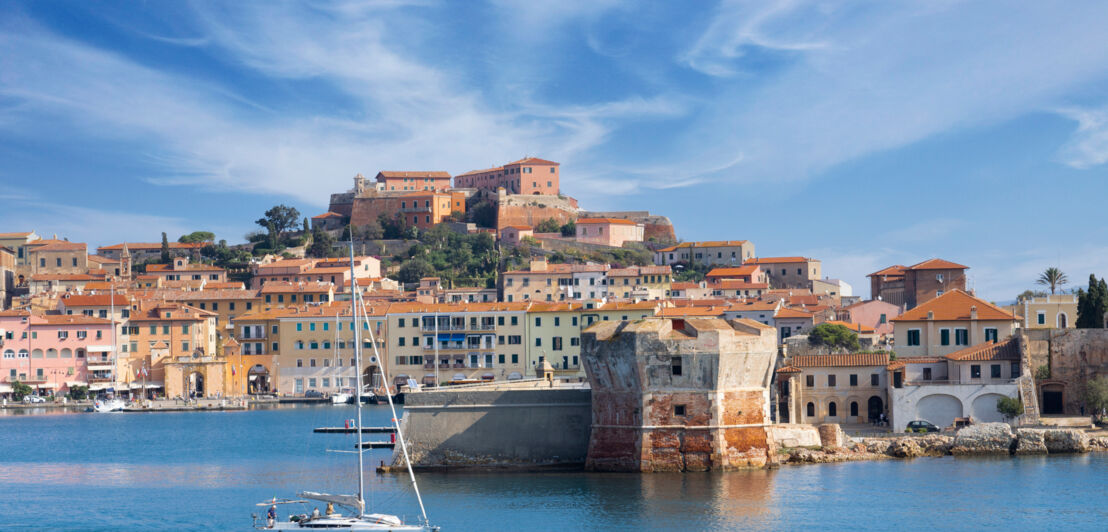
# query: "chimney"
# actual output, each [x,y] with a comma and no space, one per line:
[973,312]
[930,315]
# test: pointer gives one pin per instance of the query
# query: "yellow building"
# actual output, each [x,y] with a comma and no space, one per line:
[951,322]
[594,311]
[1056,311]
[224,303]
[640,282]
[554,336]
[540,282]
[474,341]
[158,332]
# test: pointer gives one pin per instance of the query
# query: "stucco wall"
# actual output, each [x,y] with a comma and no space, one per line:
[929,403]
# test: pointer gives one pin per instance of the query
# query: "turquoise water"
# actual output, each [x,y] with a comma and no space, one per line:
[205,471]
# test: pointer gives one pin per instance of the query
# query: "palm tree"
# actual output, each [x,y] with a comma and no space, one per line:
[1052,277]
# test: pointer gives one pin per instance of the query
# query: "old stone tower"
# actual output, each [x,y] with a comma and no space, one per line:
[679,395]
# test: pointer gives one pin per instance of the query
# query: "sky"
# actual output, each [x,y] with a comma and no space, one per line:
[864,134]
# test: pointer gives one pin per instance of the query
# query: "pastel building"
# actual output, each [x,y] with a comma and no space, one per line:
[413,181]
[531,176]
[951,322]
[512,235]
[716,252]
[180,269]
[608,231]
[789,272]
[53,352]
[1054,311]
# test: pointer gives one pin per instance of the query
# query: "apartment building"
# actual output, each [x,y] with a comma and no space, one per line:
[180,269]
[844,389]
[611,232]
[150,251]
[99,306]
[159,332]
[640,282]
[1054,311]
[17,242]
[57,257]
[335,271]
[53,352]
[789,272]
[710,253]
[529,176]
[554,336]
[539,282]
[224,303]
[315,347]
[951,322]
[413,181]
[473,342]
[911,286]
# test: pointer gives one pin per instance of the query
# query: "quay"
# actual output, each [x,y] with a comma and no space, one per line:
[351,430]
[376,445]
[181,405]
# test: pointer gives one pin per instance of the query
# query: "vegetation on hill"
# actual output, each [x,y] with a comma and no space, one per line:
[458,259]
[690,272]
[834,336]
[1092,304]
[196,237]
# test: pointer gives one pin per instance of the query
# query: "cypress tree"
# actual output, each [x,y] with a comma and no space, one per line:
[165,249]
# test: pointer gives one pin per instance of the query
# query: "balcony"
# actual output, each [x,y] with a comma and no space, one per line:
[958,382]
[94,380]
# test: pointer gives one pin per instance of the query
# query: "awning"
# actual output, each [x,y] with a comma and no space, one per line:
[429,379]
[488,377]
[99,386]
[70,384]
[47,385]
[5,388]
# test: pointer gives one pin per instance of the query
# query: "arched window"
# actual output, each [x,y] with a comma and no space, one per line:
[67,353]
[51,353]
[853,408]
[37,353]
[9,354]
[22,353]
[811,409]
[832,409]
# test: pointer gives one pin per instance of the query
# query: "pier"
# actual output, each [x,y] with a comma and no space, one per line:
[376,444]
[352,430]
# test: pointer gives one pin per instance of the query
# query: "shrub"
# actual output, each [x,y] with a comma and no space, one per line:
[1043,372]
[1009,406]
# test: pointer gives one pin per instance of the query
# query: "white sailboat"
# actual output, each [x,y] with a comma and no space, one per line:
[355,516]
[111,403]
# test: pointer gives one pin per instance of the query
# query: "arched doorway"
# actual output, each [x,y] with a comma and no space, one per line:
[854,409]
[371,379]
[874,408]
[1053,398]
[196,384]
[257,380]
[811,410]
[984,408]
[1063,321]
[832,409]
[940,409]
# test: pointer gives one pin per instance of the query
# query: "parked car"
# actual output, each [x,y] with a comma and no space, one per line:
[313,393]
[33,399]
[922,426]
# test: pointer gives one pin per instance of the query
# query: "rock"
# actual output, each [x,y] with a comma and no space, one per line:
[1030,441]
[906,447]
[831,435]
[1066,441]
[1098,444]
[878,446]
[985,438]
[935,444]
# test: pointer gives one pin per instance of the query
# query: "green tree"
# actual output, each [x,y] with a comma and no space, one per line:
[570,228]
[20,390]
[1052,277]
[307,228]
[483,213]
[834,336]
[548,225]
[165,249]
[414,270]
[281,217]
[1092,304]
[197,237]
[371,231]
[78,393]
[322,244]
[1028,294]
[1010,407]
[1096,396]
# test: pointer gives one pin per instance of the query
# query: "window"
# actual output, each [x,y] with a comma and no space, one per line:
[883,319]
[875,379]
[311,362]
[500,321]
[675,366]
[832,409]
[575,341]
[299,362]
[538,342]
[944,336]
[1015,370]
[811,409]
[556,343]
[538,321]
[990,334]
[400,322]
[515,358]
[913,336]
[185,329]
[515,339]
[810,381]
[926,374]
[515,320]
[994,371]
[1042,317]
[679,410]
[311,382]
[961,337]
[62,335]
[854,379]
[854,408]
[831,381]
[400,341]
[975,371]
[311,326]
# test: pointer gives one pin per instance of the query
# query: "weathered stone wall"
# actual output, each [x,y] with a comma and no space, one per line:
[1074,357]
[512,428]
[722,387]
[657,227]
[517,209]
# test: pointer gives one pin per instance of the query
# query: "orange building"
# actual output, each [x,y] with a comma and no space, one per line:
[525,176]
[413,181]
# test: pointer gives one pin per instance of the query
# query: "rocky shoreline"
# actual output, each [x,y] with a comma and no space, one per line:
[987,439]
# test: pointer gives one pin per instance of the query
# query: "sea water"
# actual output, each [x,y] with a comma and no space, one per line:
[207,471]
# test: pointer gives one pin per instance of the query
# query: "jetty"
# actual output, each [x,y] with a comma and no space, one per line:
[352,430]
[376,444]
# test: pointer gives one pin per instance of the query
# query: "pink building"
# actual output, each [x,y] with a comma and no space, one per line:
[873,313]
[52,352]
[525,176]
[608,231]
[513,234]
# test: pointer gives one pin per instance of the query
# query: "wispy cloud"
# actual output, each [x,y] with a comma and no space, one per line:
[925,231]
[1089,145]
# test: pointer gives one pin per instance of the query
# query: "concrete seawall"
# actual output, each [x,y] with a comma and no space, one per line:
[518,426]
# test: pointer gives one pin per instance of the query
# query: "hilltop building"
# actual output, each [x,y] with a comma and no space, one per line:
[911,286]
[527,176]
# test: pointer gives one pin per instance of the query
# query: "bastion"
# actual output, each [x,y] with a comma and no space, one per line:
[679,395]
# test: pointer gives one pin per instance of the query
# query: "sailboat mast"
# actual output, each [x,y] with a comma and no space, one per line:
[357,378]
[114,355]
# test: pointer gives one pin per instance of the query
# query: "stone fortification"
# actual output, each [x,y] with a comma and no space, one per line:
[526,424]
[1074,357]
[654,226]
[520,209]
[679,395]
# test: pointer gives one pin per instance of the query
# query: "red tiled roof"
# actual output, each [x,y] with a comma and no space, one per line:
[431,174]
[532,160]
[938,264]
[789,369]
[1006,350]
[190,267]
[787,313]
[60,246]
[609,221]
[16,235]
[955,305]
[95,300]
[737,271]
[901,362]
[689,311]
[327,214]
[146,246]
[856,327]
[65,277]
[855,359]
[894,270]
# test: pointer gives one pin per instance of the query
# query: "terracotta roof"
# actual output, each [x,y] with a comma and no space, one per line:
[684,286]
[532,160]
[280,287]
[786,313]
[67,319]
[777,260]
[16,235]
[423,174]
[230,342]
[737,271]
[519,227]
[328,214]
[1007,350]
[754,306]
[719,243]
[689,311]
[14,313]
[60,246]
[609,221]
[625,305]
[955,305]
[789,369]
[218,285]
[735,284]
[542,306]
[213,295]
[901,362]
[894,270]
[938,264]
[856,327]
[855,359]
[65,277]
[146,246]
[95,300]
[190,267]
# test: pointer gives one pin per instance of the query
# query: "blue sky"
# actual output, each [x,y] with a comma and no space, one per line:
[862,133]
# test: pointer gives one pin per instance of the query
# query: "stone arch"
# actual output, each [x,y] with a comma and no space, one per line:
[1053,395]
[196,383]
[9,354]
[811,409]
[1063,320]
[983,408]
[874,408]
[51,353]
[37,353]
[854,409]
[940,409]
[832,408]
[257,379]
[67,353]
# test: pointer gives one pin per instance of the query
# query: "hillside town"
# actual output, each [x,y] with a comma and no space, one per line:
[494,275]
